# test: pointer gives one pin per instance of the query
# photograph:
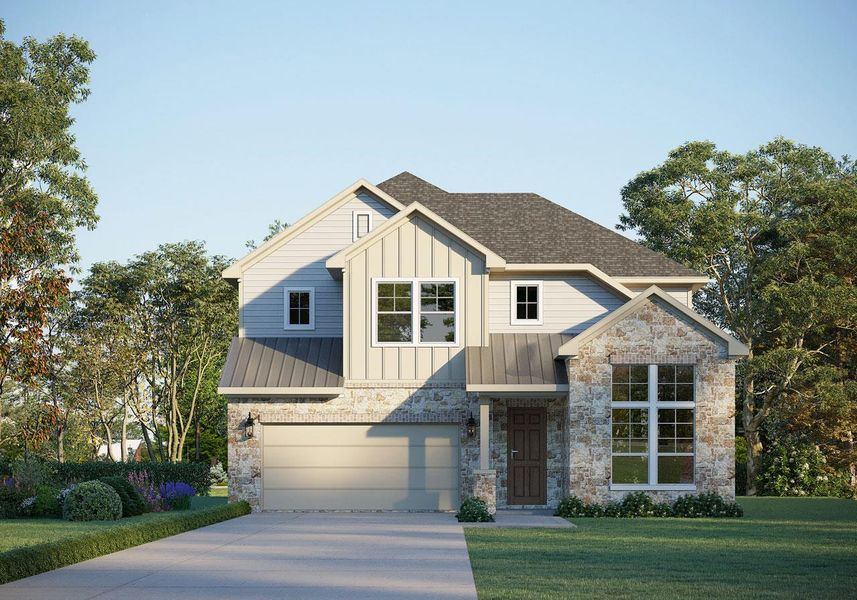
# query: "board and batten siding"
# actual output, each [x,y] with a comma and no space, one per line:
[416,248]
[301,262]
[571,303]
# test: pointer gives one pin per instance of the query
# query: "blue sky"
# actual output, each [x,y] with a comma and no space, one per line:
[208,120]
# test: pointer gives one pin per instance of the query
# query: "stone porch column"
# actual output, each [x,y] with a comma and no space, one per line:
[485,479]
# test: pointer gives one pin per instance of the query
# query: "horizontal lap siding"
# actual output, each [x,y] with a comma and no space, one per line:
[415,249]
[570,304]
[301,262]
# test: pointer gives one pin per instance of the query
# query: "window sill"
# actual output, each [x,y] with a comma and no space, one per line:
[527,323]
[413,345]
[662,487]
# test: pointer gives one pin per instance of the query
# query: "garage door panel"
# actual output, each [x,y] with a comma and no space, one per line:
[337,478]
[363,499]
[363,435]
[360,467]
[360,456]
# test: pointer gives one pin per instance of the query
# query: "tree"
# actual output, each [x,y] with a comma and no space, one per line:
[773,228]
[43,193]
[273,229]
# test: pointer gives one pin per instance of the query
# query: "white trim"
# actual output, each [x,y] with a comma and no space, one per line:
[281,391]
[513,316]
[587,268]
[492,259]
[415,312]
[234,270]
[354,216]
[517,387]
[295,327]
[572,347]
[652,407]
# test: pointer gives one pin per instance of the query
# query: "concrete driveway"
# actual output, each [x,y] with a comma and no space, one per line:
[275,556]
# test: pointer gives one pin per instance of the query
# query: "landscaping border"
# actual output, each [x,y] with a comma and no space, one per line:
[18,563]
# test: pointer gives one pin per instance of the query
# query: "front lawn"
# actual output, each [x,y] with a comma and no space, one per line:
[782,548]
[15,533]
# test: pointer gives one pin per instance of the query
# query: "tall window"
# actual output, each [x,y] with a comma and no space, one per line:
[361,224]
[430,321]
[526,302]
[652,425]
[299,308]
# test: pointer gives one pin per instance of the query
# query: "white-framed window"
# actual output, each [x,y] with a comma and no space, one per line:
[652,425]
[527,303]
[415,311]
[361,224]
[299,306]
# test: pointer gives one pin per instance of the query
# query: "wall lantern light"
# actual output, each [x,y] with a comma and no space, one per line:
[471,426]
[249,425]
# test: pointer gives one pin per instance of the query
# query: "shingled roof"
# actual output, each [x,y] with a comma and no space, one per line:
[526,228]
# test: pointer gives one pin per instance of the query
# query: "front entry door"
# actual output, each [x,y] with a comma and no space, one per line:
[527,445]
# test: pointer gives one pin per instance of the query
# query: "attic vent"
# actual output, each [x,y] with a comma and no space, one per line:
[361,224]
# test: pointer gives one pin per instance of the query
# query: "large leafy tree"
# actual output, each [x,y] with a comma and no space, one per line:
[44,195]
[773,228]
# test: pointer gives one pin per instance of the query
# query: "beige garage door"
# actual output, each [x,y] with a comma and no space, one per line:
[360,467]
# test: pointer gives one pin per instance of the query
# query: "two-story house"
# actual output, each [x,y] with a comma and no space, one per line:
[402,347]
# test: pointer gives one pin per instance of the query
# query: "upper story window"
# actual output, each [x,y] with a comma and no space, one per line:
[299,308]
[361,224]
[400,320]
[526,303]
[652,420]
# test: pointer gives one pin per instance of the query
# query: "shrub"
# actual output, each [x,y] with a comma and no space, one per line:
[474,510]
[195,474]
[132,501]
[637,504]
[176,495]
[32,560]
[147,490]
[705,505]
[10,501]
[31,472]
[46,503]
[217,474]
[640,504]
[92,501]
[792,467]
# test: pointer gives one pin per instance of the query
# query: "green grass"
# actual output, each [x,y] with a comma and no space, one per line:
[16,533]
[782,548]
[219,491]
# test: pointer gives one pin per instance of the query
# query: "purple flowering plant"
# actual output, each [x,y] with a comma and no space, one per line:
[176,495]
[151,496]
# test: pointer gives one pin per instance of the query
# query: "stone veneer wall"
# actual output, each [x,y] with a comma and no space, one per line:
[556,446]
[654,334]
[369,403]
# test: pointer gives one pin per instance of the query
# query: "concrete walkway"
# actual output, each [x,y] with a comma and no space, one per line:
[277,556]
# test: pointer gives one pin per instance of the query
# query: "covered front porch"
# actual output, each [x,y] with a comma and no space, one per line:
[522,389]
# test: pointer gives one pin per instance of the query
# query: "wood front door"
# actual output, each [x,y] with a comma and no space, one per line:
[527,461]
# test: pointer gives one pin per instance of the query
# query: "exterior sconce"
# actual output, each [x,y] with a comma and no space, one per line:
[471,426]
[249,425]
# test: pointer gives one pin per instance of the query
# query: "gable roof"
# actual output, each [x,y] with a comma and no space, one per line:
[527,228]
[234,270]
[572,347]
[337,261]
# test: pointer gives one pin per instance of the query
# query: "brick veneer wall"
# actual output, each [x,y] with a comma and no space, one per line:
[655,333]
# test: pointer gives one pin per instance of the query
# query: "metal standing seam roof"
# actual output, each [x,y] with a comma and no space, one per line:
[283,362]
[527,228]
[517,359]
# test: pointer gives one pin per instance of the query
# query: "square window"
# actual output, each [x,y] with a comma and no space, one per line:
[675,469]
[666,374]
[525,302]
[639,393]
[683,392]
[630,469]
[621,374]
[299,308]
[684,374]
[666,393]
[640,374]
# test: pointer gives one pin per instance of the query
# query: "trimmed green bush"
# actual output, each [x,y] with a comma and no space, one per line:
[474,510]
[10,501]
[32,560]
[92,501]
[640,504]
[132,501]
[47,503]
[195,474]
